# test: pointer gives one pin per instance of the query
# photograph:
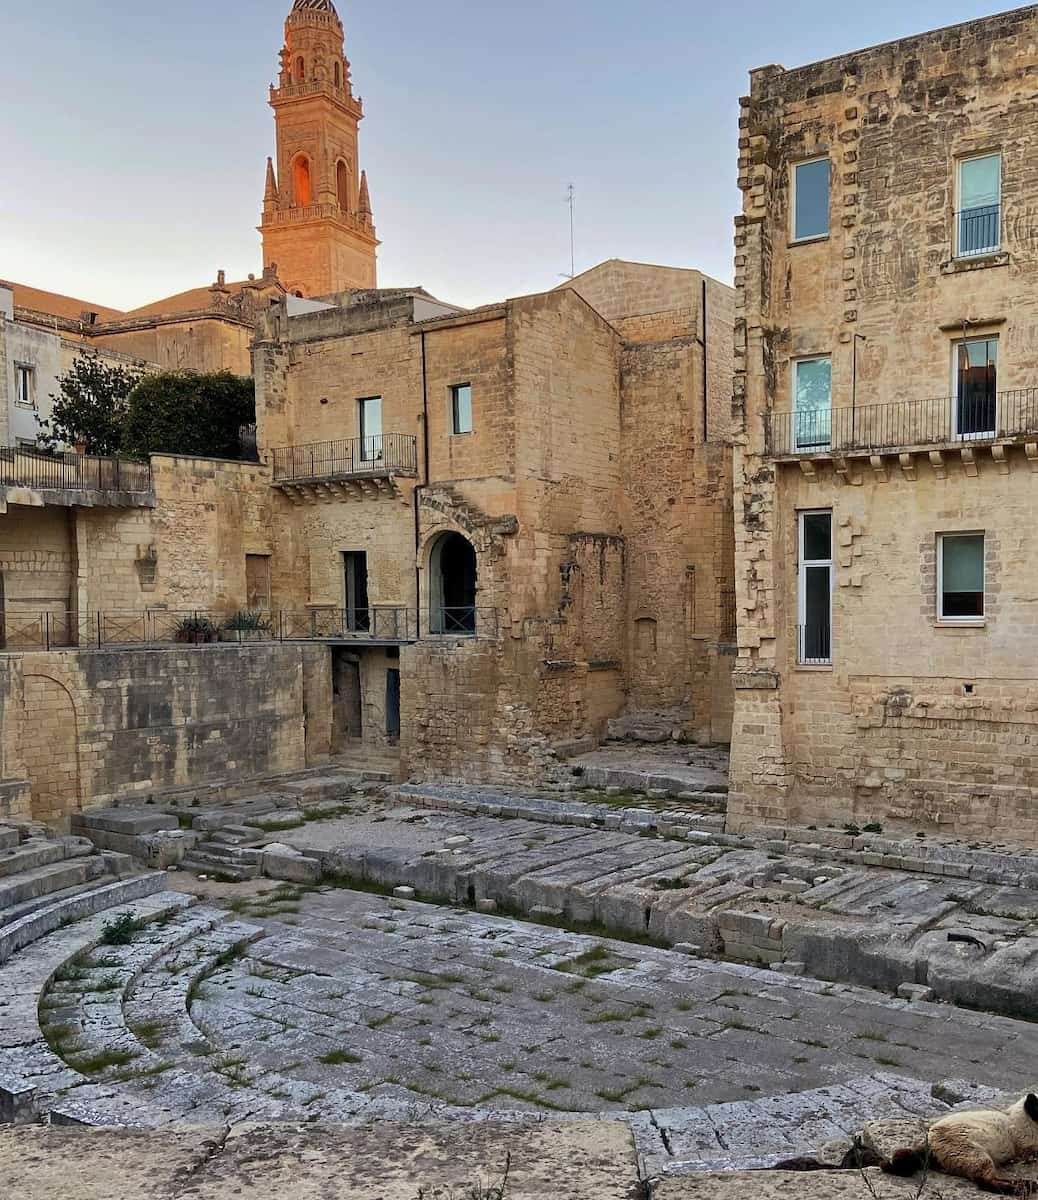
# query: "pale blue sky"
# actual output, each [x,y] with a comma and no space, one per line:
[134,132]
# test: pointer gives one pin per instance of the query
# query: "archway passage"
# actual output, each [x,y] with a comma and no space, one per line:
[50,749]
[452,591]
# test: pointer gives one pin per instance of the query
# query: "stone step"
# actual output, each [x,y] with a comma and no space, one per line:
[35,852]
[9,837]
[206,864]
[41,881]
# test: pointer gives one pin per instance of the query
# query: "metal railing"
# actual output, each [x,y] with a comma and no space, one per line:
[944,420]
[479,623]
[73,472]
[163,628]
[978,231]
[814,645]
[350,458]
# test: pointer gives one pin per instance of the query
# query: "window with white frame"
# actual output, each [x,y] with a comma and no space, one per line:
[25,385]
[810,207]
[978,221]
[461,408]
[975,382]
[815,620]
[369,420]
[812,402]
[960,577]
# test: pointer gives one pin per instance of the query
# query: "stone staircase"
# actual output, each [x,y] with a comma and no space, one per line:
[225,840]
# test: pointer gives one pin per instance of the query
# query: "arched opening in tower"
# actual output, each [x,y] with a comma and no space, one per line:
[300,70]
[342,183]
[452,586]
[302,189]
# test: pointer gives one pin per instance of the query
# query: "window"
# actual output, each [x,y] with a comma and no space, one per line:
[812,403]
[976,388]
[300,70]
[301,181]
[461,408]
[25,385]
[960,577]
[370,420]
[342,185]
[257,582]
[338,75]
[979,219]
[814,640]
[811,199]
[358,615]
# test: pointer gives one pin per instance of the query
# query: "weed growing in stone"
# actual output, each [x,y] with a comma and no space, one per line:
[339,1058]
[121,930]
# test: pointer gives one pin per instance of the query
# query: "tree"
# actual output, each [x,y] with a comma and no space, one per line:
[180,412]
[91,405]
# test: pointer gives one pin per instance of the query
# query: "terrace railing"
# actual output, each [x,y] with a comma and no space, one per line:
[73,472]
[943,421]
[349,458]
[161,628]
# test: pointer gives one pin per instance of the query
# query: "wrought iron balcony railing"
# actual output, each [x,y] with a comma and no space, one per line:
[351,458]
[73,472]
[978,231]
[868,428]
[25,631]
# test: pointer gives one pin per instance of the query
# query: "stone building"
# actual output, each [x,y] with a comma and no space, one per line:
[887,281]
[518,516]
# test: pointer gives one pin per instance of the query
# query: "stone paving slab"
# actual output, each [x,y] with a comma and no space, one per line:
[310,1162]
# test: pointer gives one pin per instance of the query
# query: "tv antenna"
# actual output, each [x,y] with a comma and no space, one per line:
[571,195]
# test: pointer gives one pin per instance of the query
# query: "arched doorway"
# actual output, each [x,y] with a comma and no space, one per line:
[452,586]
[50,749]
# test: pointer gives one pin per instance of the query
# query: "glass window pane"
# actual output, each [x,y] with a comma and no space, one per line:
[980,182]
[462,403]
[811,199]
[818,537]
[817,633]
[812,399]
[963,563]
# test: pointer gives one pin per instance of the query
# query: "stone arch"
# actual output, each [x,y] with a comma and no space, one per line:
[453,576]
[300,70]
[50,748]
[302,185]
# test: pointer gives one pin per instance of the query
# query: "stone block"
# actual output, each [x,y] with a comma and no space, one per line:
[292,868]
[17,1101]
[916,993]
[404,893]
[486,906]
[455,843]
[885,1138]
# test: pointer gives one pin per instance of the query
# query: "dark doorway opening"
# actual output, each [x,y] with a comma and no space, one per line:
[358,614]
[347,705]
[393,705]
[453,586]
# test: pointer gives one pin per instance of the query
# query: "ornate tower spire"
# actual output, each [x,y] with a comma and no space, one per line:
[317,225]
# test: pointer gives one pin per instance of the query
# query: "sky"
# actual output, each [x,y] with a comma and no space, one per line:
[134,133]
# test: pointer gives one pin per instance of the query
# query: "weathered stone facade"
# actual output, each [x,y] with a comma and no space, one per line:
[918,720]
[591,486]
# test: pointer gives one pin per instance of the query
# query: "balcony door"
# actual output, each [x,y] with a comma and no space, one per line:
[358,614]
[370,421]
[815,571]
[812,403]
[976,388]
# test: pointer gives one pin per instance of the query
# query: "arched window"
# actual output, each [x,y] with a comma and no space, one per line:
[452,586]
[338,75]
[342,185]
[300,70]
[301,181]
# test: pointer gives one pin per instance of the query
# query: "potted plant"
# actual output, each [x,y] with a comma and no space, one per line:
[195,630]
[246,626]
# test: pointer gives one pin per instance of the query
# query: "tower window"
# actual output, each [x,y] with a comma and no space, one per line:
[303,193]
[342,183]
[300,70]
[338,75]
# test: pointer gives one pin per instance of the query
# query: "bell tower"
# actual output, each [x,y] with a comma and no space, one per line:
[317,224]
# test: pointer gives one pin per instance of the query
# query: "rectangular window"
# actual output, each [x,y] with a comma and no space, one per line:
[979,219]
[370,421]
[810,199]
[257,582]
[814,641]
[358,615]
[24,385]
[461,408]
[976,388]
[960,577]
[812,403]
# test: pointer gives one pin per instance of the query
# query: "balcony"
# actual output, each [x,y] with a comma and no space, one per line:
[74,480]
[351,469]
[906,428]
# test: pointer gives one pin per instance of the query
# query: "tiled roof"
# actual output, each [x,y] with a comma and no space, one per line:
[315,6]
[56,305]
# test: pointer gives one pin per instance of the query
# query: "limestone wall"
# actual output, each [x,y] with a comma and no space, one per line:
[915,724]
[89,728]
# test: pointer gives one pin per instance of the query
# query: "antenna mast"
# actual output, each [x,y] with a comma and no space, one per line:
[571,201]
